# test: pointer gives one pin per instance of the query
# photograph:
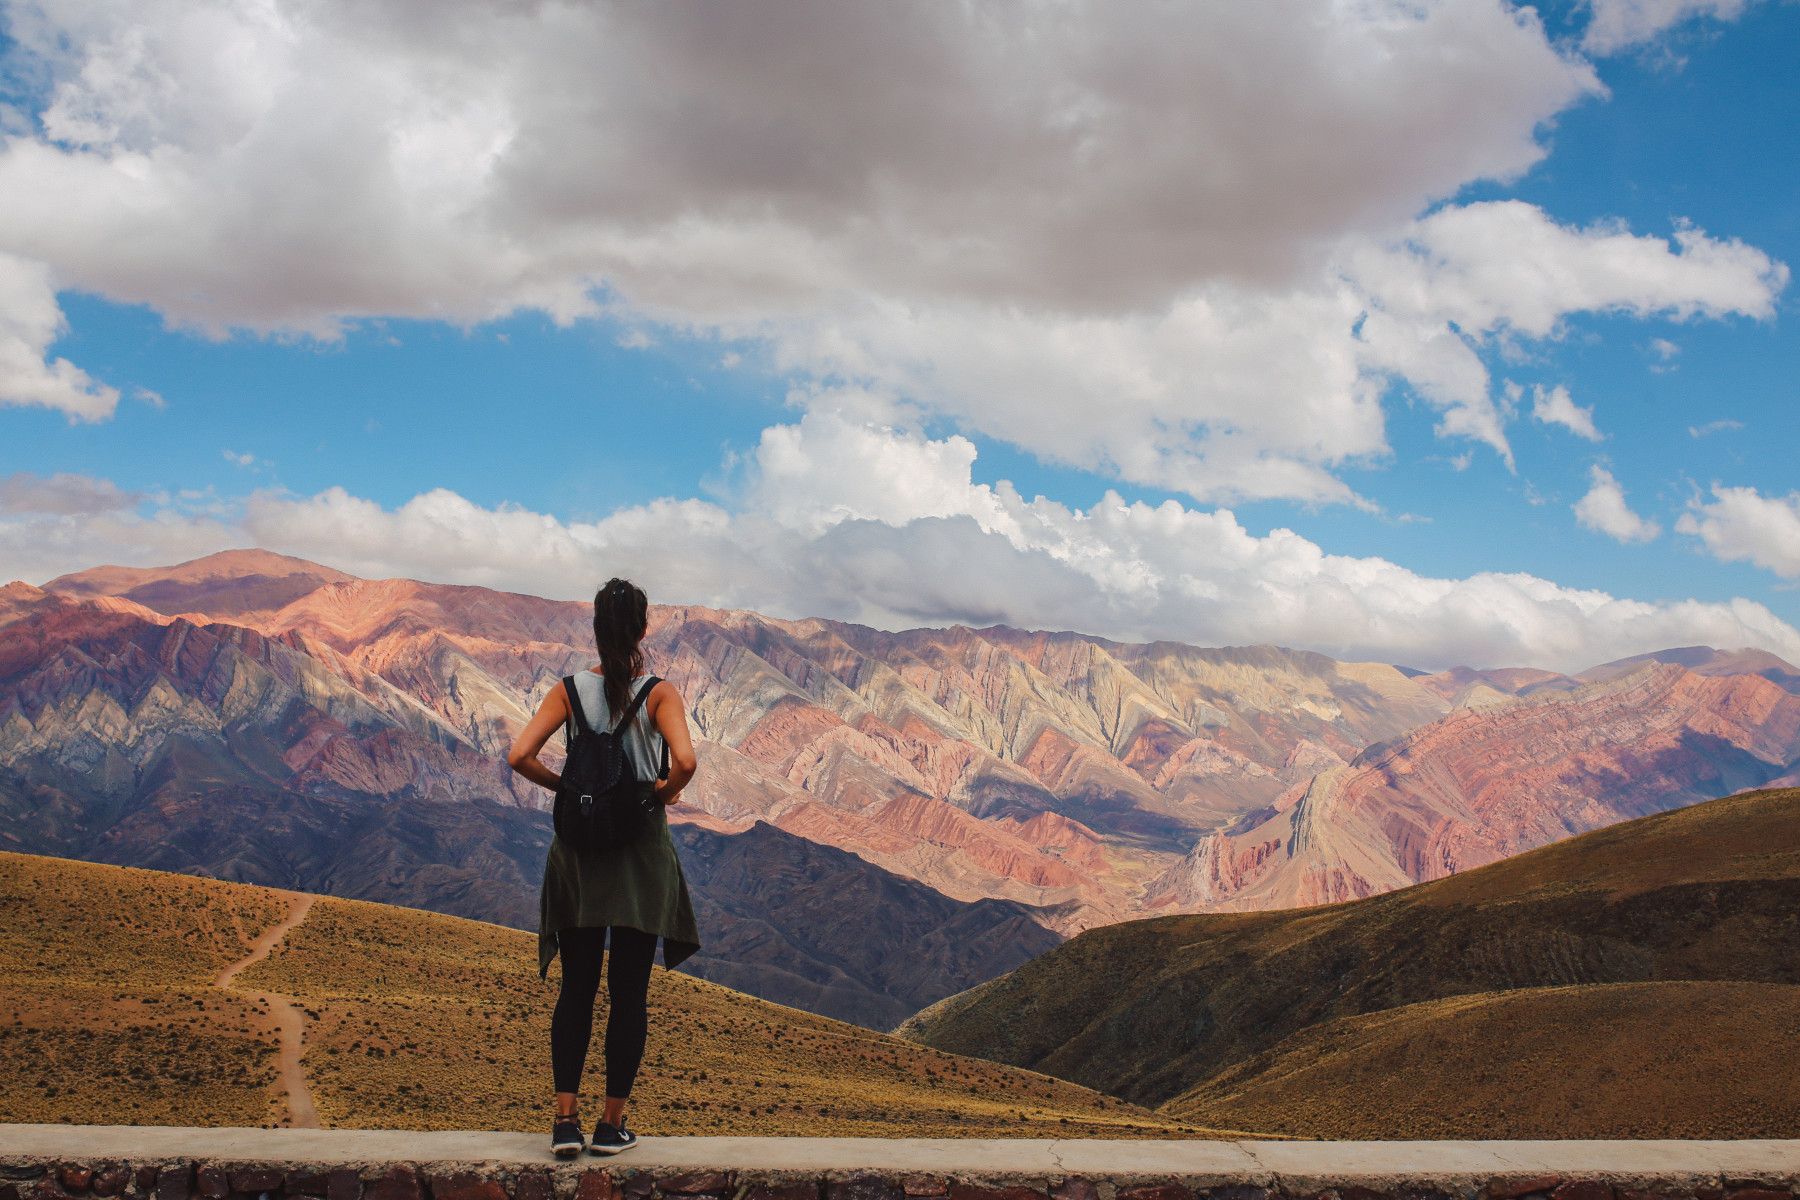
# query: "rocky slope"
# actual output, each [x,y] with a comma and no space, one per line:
[222,585]
[1705,660]
[1051,769]
[1337,1020]
[1483,783]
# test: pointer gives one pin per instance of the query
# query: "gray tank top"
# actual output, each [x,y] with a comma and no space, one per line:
[642,739]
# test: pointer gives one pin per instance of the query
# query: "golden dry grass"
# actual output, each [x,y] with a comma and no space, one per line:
[94,1055]
[62,920]
[421,1021]
[106,1008]
[1631,1060]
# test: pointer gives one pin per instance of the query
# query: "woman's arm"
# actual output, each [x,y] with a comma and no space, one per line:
[523,757]
[670,716]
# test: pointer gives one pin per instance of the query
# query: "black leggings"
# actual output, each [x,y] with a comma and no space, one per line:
[627,996]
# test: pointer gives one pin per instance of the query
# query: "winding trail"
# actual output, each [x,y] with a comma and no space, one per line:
[284,1013]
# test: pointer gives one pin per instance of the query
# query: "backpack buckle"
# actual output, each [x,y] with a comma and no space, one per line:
[587,805]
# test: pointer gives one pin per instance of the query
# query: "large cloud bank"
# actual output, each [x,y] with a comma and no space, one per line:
[835,518]
[1185,246]
[1175,245]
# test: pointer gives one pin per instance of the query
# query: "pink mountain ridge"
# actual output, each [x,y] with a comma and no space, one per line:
[1094,780]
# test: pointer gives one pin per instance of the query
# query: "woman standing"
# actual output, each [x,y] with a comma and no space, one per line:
[625,895]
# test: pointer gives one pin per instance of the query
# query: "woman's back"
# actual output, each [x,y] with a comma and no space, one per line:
[639,884]
[642,741]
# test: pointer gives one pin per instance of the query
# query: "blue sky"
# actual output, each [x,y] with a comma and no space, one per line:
[658,379]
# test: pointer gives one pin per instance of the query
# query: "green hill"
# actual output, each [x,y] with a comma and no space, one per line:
[1320,1021]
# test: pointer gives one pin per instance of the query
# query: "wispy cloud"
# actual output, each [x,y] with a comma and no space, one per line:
[1555,407]
[1623,24]
[246,460]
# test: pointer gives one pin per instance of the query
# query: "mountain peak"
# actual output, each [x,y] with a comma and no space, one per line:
[113,580]
[228,583]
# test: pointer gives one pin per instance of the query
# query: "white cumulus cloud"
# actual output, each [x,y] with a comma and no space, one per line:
[220,162]
[1740,524]
[1604,510]
[30,321]
[808,537]
[1174,245]
[65,494]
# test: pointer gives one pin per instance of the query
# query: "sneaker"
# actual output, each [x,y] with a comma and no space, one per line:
[565,1138]
[610,1139]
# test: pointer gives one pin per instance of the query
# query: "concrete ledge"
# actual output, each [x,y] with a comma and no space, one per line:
[60,1162]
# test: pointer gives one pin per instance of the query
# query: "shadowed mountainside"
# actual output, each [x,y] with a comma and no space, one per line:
[1613,1060]
[1417,992]
[792,918]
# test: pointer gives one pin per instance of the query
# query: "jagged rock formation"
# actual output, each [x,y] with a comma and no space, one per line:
[1483,783]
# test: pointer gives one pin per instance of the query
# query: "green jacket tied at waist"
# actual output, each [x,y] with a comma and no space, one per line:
[639,884]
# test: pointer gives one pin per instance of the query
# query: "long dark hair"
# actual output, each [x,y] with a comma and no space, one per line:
[621,617]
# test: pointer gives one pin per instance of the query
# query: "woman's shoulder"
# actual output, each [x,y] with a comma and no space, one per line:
[589,676]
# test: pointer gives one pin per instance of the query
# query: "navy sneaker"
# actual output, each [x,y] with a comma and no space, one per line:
[565,1138]
[610,1139]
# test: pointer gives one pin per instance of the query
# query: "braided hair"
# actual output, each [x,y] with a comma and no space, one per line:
[621,618]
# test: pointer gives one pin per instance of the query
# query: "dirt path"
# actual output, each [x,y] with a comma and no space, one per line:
[284,1013]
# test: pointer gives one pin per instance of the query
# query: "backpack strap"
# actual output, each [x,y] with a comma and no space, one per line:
[581,721]
[631,710]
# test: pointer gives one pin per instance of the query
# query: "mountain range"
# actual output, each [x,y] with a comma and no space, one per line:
[881,819]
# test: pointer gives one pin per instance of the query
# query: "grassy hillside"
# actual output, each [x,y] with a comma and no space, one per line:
[1635,1060]
[1229,1013]
[109,1013]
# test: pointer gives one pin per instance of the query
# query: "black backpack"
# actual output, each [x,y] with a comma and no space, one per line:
[601,803]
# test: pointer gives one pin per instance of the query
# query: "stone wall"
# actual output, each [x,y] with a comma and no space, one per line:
[36,1178]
